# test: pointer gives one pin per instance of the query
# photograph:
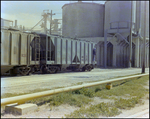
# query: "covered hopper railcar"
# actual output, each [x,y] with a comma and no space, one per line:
[16,52]
[65,53]
[24,53]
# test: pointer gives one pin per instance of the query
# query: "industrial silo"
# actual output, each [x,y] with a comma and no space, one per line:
[82,19]
[118,15]
[142,12]
[140,15]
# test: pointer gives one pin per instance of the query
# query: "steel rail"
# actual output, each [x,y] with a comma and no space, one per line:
[23,98]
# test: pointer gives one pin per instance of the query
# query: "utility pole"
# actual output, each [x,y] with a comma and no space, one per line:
[144,38]
[105,49]
[130,41]
[51,21]
[45,16]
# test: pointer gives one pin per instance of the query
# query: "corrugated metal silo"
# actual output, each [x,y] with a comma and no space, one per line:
[83,19]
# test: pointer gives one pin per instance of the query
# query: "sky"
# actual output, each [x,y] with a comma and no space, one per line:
[28,13]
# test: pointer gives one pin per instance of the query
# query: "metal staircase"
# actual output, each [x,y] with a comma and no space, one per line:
[37,49]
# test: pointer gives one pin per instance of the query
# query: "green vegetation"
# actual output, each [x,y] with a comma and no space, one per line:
[124,95]
[127,103]
[85,91]
[63,98]
[132,89]
[104,109]
[76,100]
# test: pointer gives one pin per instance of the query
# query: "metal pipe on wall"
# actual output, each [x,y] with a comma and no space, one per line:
[130,40]
[144,54]
[105,49]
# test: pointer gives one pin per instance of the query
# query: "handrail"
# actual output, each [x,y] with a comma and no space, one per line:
[7,20]
[23,98]
[127,24]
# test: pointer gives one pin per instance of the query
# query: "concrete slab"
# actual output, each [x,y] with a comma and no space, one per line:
[20,109]
[9,108]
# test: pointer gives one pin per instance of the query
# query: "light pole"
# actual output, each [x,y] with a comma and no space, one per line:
[144,38]
[130,40]
[51,21]
[105,49]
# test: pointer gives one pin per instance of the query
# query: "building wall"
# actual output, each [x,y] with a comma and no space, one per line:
[118,52]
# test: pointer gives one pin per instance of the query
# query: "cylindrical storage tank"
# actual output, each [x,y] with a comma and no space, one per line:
[118,13]
[140,17]
[83,19]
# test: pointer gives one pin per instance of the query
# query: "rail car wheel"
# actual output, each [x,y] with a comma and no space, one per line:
[24,70]
[43,70]
[13,72]
[83,69]
[52,69]
[88,68]
[74,69]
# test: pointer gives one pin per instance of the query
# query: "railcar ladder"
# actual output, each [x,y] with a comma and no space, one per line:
[48,49]
[37,49]
[49,52]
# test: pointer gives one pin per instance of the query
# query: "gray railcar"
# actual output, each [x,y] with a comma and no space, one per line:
[65,53]
[16,52]
[24,53]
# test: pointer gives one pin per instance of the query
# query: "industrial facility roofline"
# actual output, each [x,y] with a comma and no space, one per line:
[82,3]
[7,20]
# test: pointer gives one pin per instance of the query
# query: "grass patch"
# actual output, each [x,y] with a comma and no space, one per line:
[63,98]
[68,98]
[85,91]
[104,109]
[132,89]
[127,103]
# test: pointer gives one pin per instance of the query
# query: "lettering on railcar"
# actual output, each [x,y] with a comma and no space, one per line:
[86,58]
[23,55]
[82,58]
